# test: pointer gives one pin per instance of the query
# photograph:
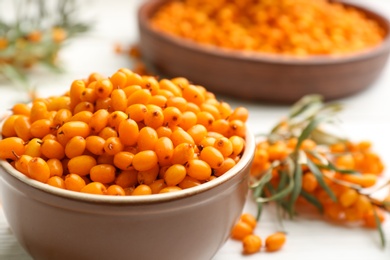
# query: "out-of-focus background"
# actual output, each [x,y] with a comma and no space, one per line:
[366,116]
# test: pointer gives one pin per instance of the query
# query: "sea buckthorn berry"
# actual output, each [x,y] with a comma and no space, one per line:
[113,145]
[89,94]
[11,148]
[158,100]
[164,131]
[170,86]
[147,139]
[205,118]
[212,156]
[348,197]
[75,91]
[154,117]
[175,174]
[197,132]
[240,230]
[213,110]
[178,102]
[251,244]
[116,118]
[220,126]
[189,182]
[180,136]
[115,190]
[103,173]
[118,79]
[84,106]
[83,116]
[74,182]
[141,96]
[249,219]
[142,189]
[99,120]
[41,128]
[123,160]
[157,186]
[240,113]
[21,109]
[103,103]
[145,160]
[172,116]
[130,89]
[275,241]
[198,169]
[136,112]
[238,145]
[237,127]
[8,128]
[224,145]
[119,100]
[182,153]
[52,149]
[57,182]
[95,144]
[33,147]
[309,182]
[94,188]
[170,189]
[148,176]
[227,164]
[22,127]
[74,128]
[21,164]
[56,168]
[150,83]
[108,132]
[81,165]
[103,88]
[188,119]
[128,132]
[38,169]
[164,150]
[105,159]
[38,111]
[193,94]
[127,179]
[75,147]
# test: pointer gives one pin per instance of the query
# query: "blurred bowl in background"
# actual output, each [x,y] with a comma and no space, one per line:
[258,76]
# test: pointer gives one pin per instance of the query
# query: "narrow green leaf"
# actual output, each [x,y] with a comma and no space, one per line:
[259,210]
[312,200]
[308,129]
[320,179]
[279,195]
[297,177]
[303,103]
[380,229]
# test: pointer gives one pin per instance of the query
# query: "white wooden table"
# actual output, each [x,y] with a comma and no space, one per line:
[366,116]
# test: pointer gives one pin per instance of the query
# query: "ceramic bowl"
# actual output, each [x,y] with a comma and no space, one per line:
[52,223]
[261,77]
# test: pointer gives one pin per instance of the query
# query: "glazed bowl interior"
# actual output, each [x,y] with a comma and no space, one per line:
[260,76]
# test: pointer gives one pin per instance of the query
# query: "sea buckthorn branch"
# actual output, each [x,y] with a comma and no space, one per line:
[36,35]
[300,161]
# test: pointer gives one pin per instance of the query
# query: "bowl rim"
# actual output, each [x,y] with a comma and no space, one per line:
[148,7]
[135,200]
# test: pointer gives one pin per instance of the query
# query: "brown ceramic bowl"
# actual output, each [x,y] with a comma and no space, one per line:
[255,76]
[52,223]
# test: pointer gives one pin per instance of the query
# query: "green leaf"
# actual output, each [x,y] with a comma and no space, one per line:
[259,185]
[297,187]
[279,195]
[308,129]
[312,200]
[380,229]
[302,104]
[320,178]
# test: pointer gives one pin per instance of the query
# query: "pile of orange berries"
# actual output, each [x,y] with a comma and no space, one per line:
[293,27]
[125,135]
[350,205]
[243,231]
